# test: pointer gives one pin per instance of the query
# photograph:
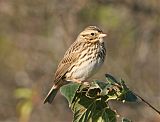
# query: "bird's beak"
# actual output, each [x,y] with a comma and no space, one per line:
[102,35]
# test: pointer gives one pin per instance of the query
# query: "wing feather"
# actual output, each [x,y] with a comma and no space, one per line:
[70,57]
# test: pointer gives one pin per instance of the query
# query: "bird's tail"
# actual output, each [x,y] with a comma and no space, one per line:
[51,94]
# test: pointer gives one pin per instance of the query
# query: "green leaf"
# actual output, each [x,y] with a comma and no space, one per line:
[94,90]
[126,120]
[127,94]
[90,103]
[26,108]
[123,84]
[25,93]
[129,97]
[92,110]
[88,108]
[111,79]
[101,84]
[69,91]
[105,115]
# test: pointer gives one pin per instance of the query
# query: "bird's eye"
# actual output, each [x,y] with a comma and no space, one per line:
[92,34]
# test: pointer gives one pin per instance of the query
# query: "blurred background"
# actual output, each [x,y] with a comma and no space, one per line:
[34,34]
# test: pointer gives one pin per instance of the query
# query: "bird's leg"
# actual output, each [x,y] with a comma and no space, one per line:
[76,81]
[86,83]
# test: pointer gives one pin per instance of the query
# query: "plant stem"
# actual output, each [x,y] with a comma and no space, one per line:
[147,103]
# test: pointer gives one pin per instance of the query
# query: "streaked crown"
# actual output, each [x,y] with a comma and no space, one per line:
[91,34]
[93,28]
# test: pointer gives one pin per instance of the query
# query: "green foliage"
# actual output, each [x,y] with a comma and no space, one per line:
[90,103]
[69,90]
[126,120]
[25,105]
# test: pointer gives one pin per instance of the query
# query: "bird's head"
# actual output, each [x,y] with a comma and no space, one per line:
[92,34]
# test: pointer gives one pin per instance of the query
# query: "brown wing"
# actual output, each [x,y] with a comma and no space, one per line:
[64,66]
[70,57]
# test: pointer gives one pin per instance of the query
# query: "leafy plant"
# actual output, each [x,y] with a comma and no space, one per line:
[90,103]
[25,104]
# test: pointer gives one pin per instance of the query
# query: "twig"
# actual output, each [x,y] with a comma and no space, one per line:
[147,103]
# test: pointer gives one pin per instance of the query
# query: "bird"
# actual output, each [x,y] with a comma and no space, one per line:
[82,60]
